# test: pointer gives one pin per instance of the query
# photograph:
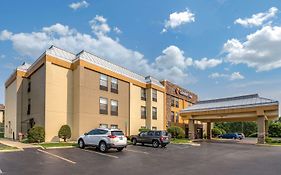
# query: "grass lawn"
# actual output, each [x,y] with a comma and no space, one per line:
[58,144]
[180,141]
[6,147]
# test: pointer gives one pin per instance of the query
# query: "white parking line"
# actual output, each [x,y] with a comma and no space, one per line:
[137,151]
[108,155]
[1,172]
[62,158]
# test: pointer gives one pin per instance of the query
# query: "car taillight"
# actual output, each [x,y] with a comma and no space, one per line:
[162,138]
[111,136]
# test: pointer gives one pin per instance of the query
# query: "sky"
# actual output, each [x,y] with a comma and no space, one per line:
[215,48]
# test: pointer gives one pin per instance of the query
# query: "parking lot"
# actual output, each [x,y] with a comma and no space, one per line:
[209,158]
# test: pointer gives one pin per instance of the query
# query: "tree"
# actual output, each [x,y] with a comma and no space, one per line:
[64,132]
[274,129]
[247,128]
[176,132]
[36,134]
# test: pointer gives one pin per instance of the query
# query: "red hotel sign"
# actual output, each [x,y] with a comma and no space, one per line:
[184,93]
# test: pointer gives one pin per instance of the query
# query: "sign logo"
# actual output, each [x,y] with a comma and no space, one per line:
[181,92]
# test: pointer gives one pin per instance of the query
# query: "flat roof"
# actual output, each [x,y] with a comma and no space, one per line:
[252,100]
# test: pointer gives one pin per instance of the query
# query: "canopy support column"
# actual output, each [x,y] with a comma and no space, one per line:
[191,128]
[209,130]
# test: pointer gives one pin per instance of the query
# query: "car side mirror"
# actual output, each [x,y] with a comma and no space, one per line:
[85,133]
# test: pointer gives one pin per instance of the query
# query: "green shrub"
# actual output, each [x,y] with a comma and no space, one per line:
[268,140]
[144,129]
[64,132]
[176,132]
[216,132]
[275,129]
[36,134]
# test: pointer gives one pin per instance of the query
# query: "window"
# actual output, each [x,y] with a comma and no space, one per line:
[143,112]
[103,106]
[154,113]
[29,106]
[150,133]
[143,94]
[29,87]
[177,102]
[114,107]
[154,95]
[172,116]
[172,101]
[114,85]
[154,129]
[142,134]
[103,125]
[177,117]
[103,82]
[101,131]
[114,126]
[93,132]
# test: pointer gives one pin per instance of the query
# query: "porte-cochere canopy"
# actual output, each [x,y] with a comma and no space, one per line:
[240,108]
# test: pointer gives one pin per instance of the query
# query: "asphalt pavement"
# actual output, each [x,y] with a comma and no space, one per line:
[207,159]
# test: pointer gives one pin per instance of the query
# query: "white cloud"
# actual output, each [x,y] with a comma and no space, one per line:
[236,76]
[99,25]
[217,75]
[106,47]
[231,77]
[257,19]
[2,56]
[205,63]
[5,35]
[261,50]
[172,56]
[117,30]
[178,18]
[77,5]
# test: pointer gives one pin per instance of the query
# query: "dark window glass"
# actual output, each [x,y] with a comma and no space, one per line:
[114,107]
[93,132]
[142,134]
[154,113]
[103,82]
[172,101]
[117,133]
[150,133]
[29,106]
[143,94]
[177,102]
[177,117]
[154,95]
[103,106]
[158,133]
[29,87]
[172,116]
[101,131]
[143,112]
[114,85]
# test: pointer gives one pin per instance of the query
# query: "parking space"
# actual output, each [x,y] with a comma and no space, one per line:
[217,158]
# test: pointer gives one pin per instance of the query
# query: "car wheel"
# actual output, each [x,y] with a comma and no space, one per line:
[81,144]
[102,147]
[134,141]
[155,143]
[119,149]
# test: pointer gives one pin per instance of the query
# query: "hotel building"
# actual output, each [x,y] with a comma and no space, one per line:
[177,99]
[82,91]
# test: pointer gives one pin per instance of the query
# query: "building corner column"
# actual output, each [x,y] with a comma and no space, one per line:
[261,129]
[209,130]
[191,129]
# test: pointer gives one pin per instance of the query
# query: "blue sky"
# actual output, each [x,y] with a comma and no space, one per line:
[215,48]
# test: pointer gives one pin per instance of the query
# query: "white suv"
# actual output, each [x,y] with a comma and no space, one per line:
[103,139]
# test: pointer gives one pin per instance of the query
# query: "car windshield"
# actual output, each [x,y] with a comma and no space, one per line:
[164,133]
[117,133]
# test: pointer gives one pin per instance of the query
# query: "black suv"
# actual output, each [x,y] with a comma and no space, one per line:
[155,138]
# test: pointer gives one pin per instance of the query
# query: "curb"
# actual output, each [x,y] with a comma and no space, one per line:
[11,150]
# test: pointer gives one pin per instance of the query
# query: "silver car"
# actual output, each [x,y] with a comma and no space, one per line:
[103,139]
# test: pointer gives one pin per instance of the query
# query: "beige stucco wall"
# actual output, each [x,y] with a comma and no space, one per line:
[59,100]
[87,93]
[136,122]
[11,112]
[159,123]
[1,116]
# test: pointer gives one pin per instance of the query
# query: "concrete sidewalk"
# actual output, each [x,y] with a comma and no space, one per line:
[17,144]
